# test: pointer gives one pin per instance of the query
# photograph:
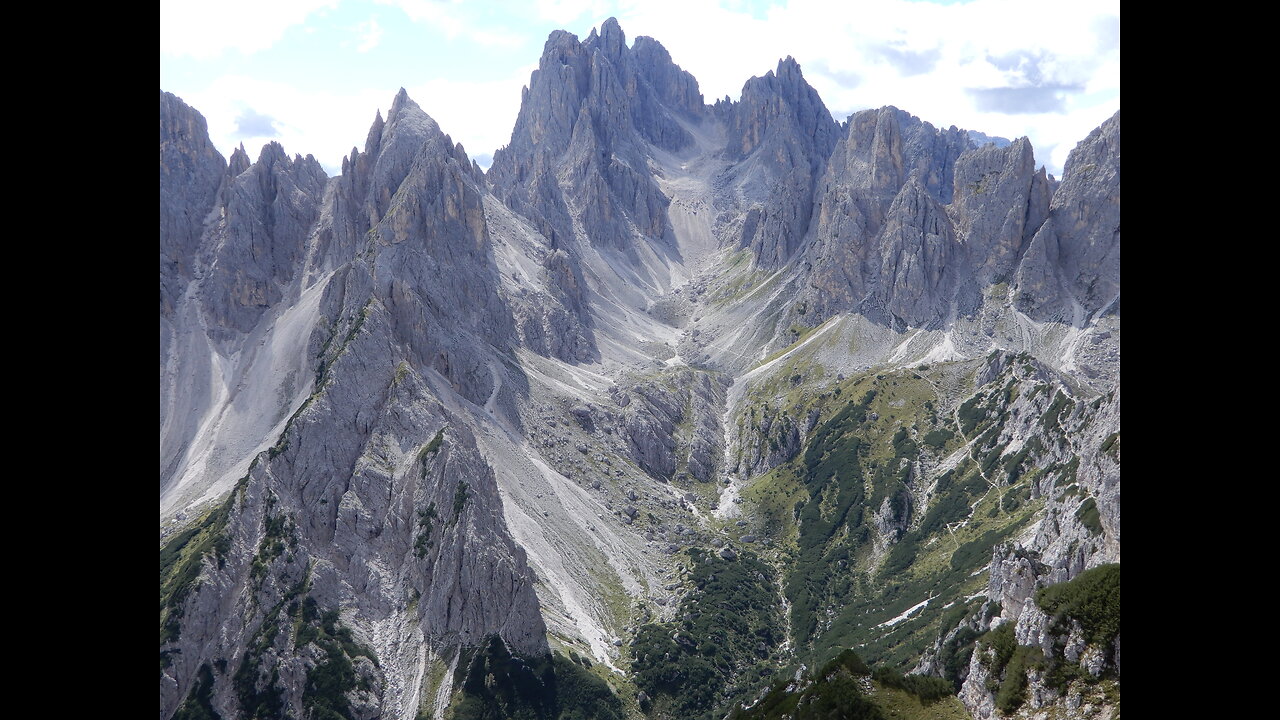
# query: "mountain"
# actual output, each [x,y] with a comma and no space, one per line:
[662,415]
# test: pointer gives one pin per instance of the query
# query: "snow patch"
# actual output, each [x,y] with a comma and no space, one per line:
[905,614]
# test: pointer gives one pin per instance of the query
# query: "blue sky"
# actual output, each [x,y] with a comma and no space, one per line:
[312,73]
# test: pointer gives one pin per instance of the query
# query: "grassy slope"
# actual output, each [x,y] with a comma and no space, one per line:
[893,435]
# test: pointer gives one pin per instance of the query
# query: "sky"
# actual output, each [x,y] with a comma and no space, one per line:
[312,74]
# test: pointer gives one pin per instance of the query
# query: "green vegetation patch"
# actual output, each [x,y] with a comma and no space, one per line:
[722,651]
[839,691]
[1000,643]
[834,693]
[1052,417]
[832,470]
[1012,692]
[429,451]
[278,533]
[460,496]
[1111,446]
[862,457]
[1088,516]
[325,695]
[199,702]
[971,413]
[497,685]
[937,438]
[1092,598]
[182,558]
[257,686]
[929,689]
[977,552]
[955,654]
[423,543]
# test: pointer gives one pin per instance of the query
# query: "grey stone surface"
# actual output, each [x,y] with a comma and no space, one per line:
[1074,258]
[780,134]
[910,267]
[252,251]
[191,170]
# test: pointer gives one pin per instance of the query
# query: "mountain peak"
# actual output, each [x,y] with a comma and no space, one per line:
[611,31]
[405,112]
[788,68]
[272,153]
[239,161]
[610,40]
[401,104]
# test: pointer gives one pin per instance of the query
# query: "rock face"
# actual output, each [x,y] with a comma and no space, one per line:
[1074,258]
[191,170]
[373,501]
[416,406]
[577,149]
[1000,201]
[768,438]
[886,154]
[780,135]
[918,257]
[1080,531]
[673,423]
[258,242]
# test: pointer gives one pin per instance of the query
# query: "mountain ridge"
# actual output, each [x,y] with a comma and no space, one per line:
[419,386]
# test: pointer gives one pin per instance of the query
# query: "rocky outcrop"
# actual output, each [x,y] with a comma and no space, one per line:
[1074,258]
[579,165]
[373,507]
[919,257]
[768,437]
[258,242]
[1001,200]
[434,271]
[578,147]
[191,170]
[1080,531]
[858,261]
[370,178]
[551,323]
[396,524]
[243,248]
[893,517]
[673,424]
[780,135]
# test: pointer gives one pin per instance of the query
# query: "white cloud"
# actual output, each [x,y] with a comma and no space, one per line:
[1055,64]
[924,58]
[480,115]
[444,15]
[205,30]
[326,125]
[473,21]
[370,35]
[566,11]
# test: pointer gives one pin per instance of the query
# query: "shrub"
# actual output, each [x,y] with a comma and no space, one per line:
[937,438]
[1013,689]
[459,500]
[1092,598]
[1088,516]
[199,702]
[928,689]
